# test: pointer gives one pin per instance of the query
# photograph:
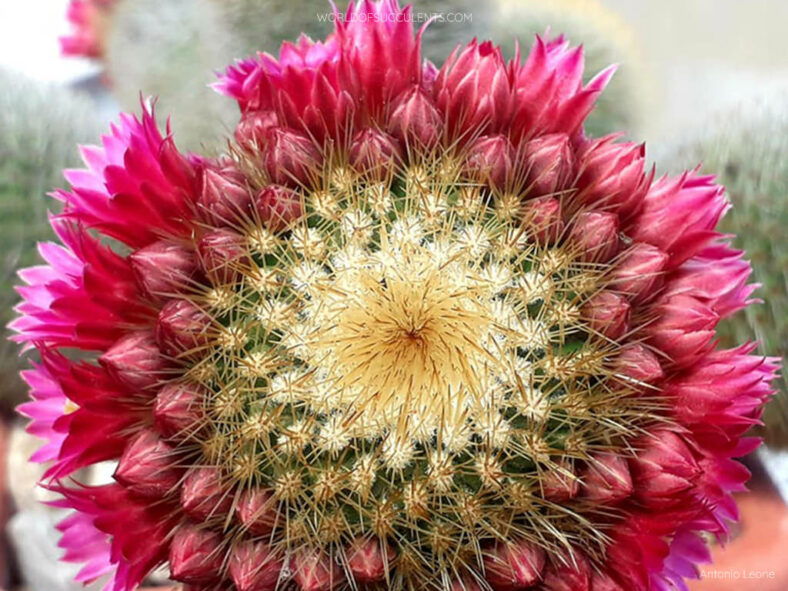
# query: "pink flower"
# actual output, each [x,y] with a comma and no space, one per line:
[412,309]
[86,18]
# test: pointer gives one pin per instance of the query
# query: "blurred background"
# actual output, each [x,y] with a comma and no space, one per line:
[700,81]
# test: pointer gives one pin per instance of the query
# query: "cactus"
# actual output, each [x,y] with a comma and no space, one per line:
[606,40]
[40,127]
[747,152]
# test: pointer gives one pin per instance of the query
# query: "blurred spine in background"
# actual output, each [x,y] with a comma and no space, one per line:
[40,127]
[606,40]
[747,150]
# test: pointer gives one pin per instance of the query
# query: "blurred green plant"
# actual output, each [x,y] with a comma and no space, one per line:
[40,127]
[171,49]
[606,40]
[748,149]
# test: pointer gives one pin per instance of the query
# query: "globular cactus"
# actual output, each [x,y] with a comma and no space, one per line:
[40,127]
[748,153]
[606,40]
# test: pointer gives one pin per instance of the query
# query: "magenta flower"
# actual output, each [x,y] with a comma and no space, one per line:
[86,18]
[414,330]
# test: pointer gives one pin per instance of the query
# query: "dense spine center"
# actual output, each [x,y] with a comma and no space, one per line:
[405,355]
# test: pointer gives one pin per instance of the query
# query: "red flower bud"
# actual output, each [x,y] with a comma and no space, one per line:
[147,466]
[684,327]
[514,565]
[182,327]
[278,207]
[613,176]
[663,469]
[638,274]
[466,584]
[204,495]
[680,215]
[254,566]
[257,511]
[603,582]
[608,314]
[415,120]
[224,198]
[474,88]
[315,571]
[595,235]
[291,158]
[542,219]
[368,560]
[489,160]
[223,255]
[373,153]
[196,556]
[135,360]
[572,574]
[253,128]
[639,364]
[178,409]
[606,479]
[560,485]
[550,164]
[163,268]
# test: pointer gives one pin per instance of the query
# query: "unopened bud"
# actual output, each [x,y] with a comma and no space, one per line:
[146,466]
[549,163]
[637,363]
[224,198]
[224,255]
[182,327]
[595,235]
[560,483]
[278,207]
[489,160]
[253,129]
[257,511]
[368,560]
[607,480]
[542,219]
[163,268]
[514,565]
[178,409]
[373,153]
[196,555]
[569,573]
[255,566]
[291,158]
[204,494]
[315,571]
[415,120]
[608,314]
[135,360]
[662,469]
[638,274]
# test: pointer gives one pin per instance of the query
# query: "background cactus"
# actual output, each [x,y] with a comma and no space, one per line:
[40,127]
[606,40]
[748,153]
[172,50]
